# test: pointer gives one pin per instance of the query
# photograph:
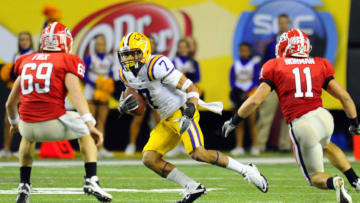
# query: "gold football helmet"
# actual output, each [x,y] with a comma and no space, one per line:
[134,51]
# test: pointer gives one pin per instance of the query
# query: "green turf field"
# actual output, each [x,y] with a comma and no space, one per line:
[286,184]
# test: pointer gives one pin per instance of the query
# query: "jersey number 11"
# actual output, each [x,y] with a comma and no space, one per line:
[299,92]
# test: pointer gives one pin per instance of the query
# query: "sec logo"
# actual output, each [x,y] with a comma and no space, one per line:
[259,26]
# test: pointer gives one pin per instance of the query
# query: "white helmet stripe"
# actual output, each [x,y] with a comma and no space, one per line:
[52,28]
[302,39]
[126,40]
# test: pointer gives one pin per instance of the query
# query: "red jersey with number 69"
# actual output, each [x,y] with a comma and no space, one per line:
[42,84]
[298,83]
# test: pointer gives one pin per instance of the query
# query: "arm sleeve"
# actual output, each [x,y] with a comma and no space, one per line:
[159,67]
[16,69]
[173,78]
[87,67]
[75,66]
[328,73]
[267,75]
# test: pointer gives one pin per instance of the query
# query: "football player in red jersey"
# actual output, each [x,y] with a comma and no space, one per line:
[298,80]
[42,84]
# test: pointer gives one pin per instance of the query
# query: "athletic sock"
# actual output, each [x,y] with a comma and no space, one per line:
[180,178]
[330,183]
[25,173]
[351,176]
[90,169]
[236,166]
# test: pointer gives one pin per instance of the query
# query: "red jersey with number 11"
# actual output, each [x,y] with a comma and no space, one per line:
[42,84]
[298,83]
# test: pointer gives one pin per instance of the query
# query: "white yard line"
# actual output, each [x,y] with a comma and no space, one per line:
[67,163]
[53,191]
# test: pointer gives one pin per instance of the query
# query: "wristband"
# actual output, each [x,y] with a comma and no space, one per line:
[88,117]
[14,121]
[354,121]
[192,94]
[186,84]
[236,119]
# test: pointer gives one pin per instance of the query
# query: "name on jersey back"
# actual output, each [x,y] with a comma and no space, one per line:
[291,61]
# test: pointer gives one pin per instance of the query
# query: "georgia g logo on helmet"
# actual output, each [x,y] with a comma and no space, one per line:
[134,51]
[294,43]
[56,37]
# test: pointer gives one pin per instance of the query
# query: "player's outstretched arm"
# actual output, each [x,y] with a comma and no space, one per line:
[72,84]
[187,86]
[248,107]
[335,89]
[11,106]
[254,101]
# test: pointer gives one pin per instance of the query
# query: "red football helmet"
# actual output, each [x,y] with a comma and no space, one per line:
[293,42]
[56,37]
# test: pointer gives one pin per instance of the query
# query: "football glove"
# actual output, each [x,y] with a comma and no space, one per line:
[354,128]
[186,119]
[127,105]
[230,125]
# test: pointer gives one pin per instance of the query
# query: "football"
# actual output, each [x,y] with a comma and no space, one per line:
[135,95]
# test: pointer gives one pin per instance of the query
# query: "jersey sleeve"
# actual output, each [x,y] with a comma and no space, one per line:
[17,67]
[267,73]
[328,73]
[159,67]
[75,66]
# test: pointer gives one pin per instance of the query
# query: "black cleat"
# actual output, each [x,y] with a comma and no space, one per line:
[193,195]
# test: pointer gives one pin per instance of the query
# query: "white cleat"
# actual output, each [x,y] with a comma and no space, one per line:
[5,154]
[92,187]
[357,185]
[254,176]
[191,195]
[105,153]
[342,195]
[254,151]
[24,190]
[130,149]
[237,151]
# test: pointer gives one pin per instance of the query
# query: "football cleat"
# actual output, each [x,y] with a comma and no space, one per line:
[92,187]
[342,195]
[191,196]
[255,177]
[356,185]
[23,193]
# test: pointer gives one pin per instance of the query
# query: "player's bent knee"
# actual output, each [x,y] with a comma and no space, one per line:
[149,158]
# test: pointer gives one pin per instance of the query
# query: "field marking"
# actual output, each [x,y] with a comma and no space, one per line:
[75,191]
[68,163]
